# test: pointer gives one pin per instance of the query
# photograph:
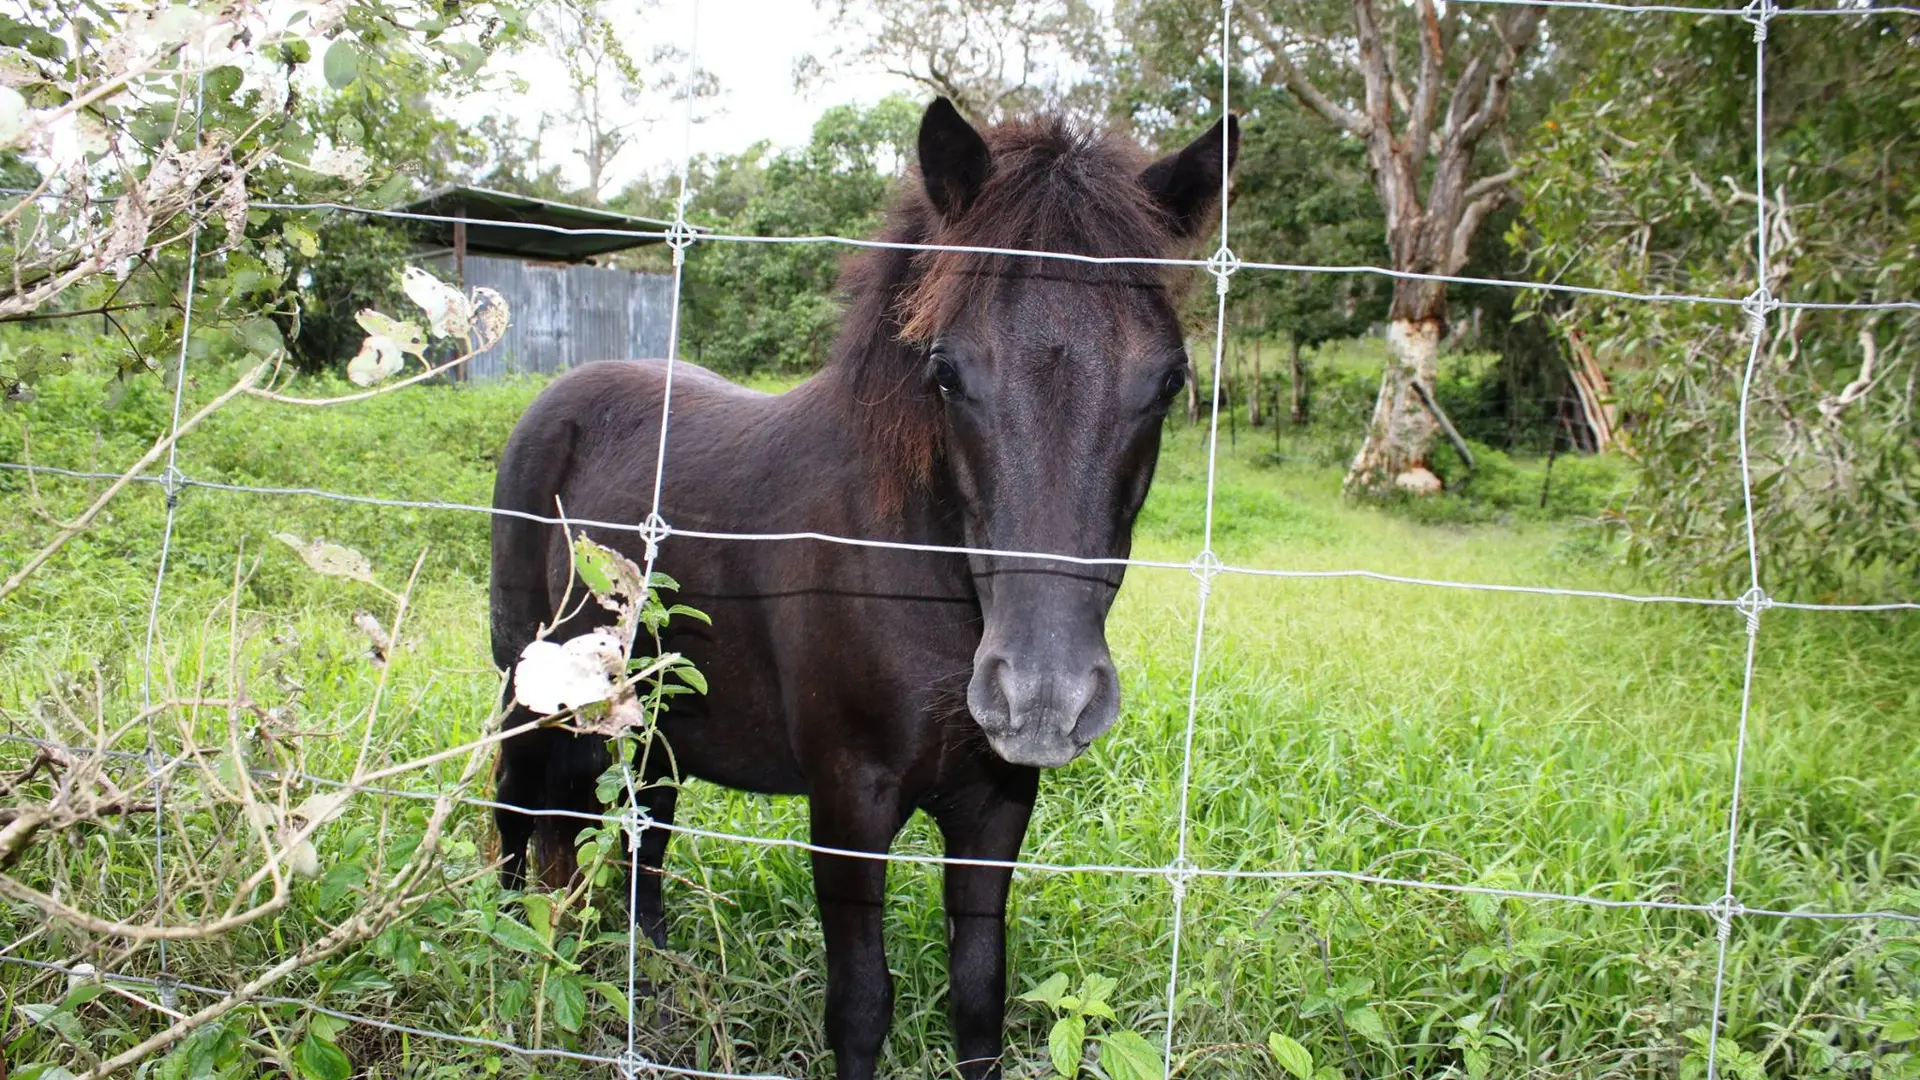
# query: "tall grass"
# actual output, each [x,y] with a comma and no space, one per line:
[1564,745]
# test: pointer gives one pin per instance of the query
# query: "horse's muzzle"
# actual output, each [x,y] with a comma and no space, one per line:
[1043,715]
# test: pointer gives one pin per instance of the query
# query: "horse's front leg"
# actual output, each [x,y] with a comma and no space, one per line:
[987,821]
[861,811]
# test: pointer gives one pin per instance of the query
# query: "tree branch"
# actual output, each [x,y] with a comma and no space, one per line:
[1470,221]
[1426,97]
[1309,95]
[1488,184]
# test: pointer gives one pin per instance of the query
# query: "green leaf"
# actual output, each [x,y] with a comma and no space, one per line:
[1065,1043]
[1094,991]
[692,677]
[521,938]
[591,565]
[1125,1055]
[319,1059]
[1479,1062]
[1048,992]
[262,337]
[613,994]
[1364,1020]
[691,613]
[342,63]
[1291,1055]
[569,1000]
[302,238]
[539,909]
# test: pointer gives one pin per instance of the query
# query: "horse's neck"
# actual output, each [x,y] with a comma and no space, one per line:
[824,414]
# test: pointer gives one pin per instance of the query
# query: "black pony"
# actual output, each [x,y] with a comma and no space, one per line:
[988,401]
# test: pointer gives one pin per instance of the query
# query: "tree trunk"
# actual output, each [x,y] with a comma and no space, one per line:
[1400,435]
[1298,412]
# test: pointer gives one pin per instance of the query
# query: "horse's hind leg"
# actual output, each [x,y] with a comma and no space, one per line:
[516,784]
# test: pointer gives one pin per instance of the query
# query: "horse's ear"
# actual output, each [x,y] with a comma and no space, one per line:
[953,159]
[1186,183]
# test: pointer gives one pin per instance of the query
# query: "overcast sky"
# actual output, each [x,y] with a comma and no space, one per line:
[749,45]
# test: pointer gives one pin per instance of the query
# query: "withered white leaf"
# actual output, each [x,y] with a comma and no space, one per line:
[332,560]
[551,678]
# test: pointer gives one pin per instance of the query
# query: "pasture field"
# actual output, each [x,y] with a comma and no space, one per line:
[1566,745]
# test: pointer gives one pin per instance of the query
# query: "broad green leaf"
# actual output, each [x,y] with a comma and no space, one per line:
[692,677]
[341,63]
[1094,991]
[302,238]
[1050,991]
[326,1027]
[521,938]
[1291,1055]
[262,337]
[569,1001]
[539,909]
[319,1059]
[615,996]
[1065,1043]
[1125,1055]
[1364,1020]
[1479,1062]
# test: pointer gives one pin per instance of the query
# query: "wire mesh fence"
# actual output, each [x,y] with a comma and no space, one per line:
[1722,914]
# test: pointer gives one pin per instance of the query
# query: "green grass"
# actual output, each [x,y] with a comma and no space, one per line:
[1552,744]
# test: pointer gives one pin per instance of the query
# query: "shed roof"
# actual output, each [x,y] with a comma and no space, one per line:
[497,224]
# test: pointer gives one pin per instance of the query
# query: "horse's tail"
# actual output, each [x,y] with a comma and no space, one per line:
[532,470]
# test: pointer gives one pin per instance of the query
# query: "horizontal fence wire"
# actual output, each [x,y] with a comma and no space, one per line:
[709,237]
[642,821]
[626,1064]
[660,531]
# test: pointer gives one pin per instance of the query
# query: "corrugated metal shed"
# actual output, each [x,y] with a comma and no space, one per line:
[564,315]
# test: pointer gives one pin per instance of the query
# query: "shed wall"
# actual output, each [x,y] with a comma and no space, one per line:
[561,316]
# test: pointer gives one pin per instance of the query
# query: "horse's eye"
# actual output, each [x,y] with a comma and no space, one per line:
[1175,382]
[946,376]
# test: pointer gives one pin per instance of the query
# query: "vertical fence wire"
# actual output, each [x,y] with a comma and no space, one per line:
[654,531]
[1206,565]
[1759,12]
[170,480]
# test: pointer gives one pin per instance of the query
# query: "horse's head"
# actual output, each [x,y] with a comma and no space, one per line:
[1053,378]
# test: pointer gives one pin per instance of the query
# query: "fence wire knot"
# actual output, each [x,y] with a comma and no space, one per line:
[1179,872]
[653,531]
[1222,264]
[173,482]
[632,1065]
[168,988]
[680,235]
[1725,910]
[638,821]
[1205,567]
[1751,603]
[1756,306]
[1758,12]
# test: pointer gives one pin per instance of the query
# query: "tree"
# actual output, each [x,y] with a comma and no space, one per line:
[1643,181]
[993,58]
[1422,92]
